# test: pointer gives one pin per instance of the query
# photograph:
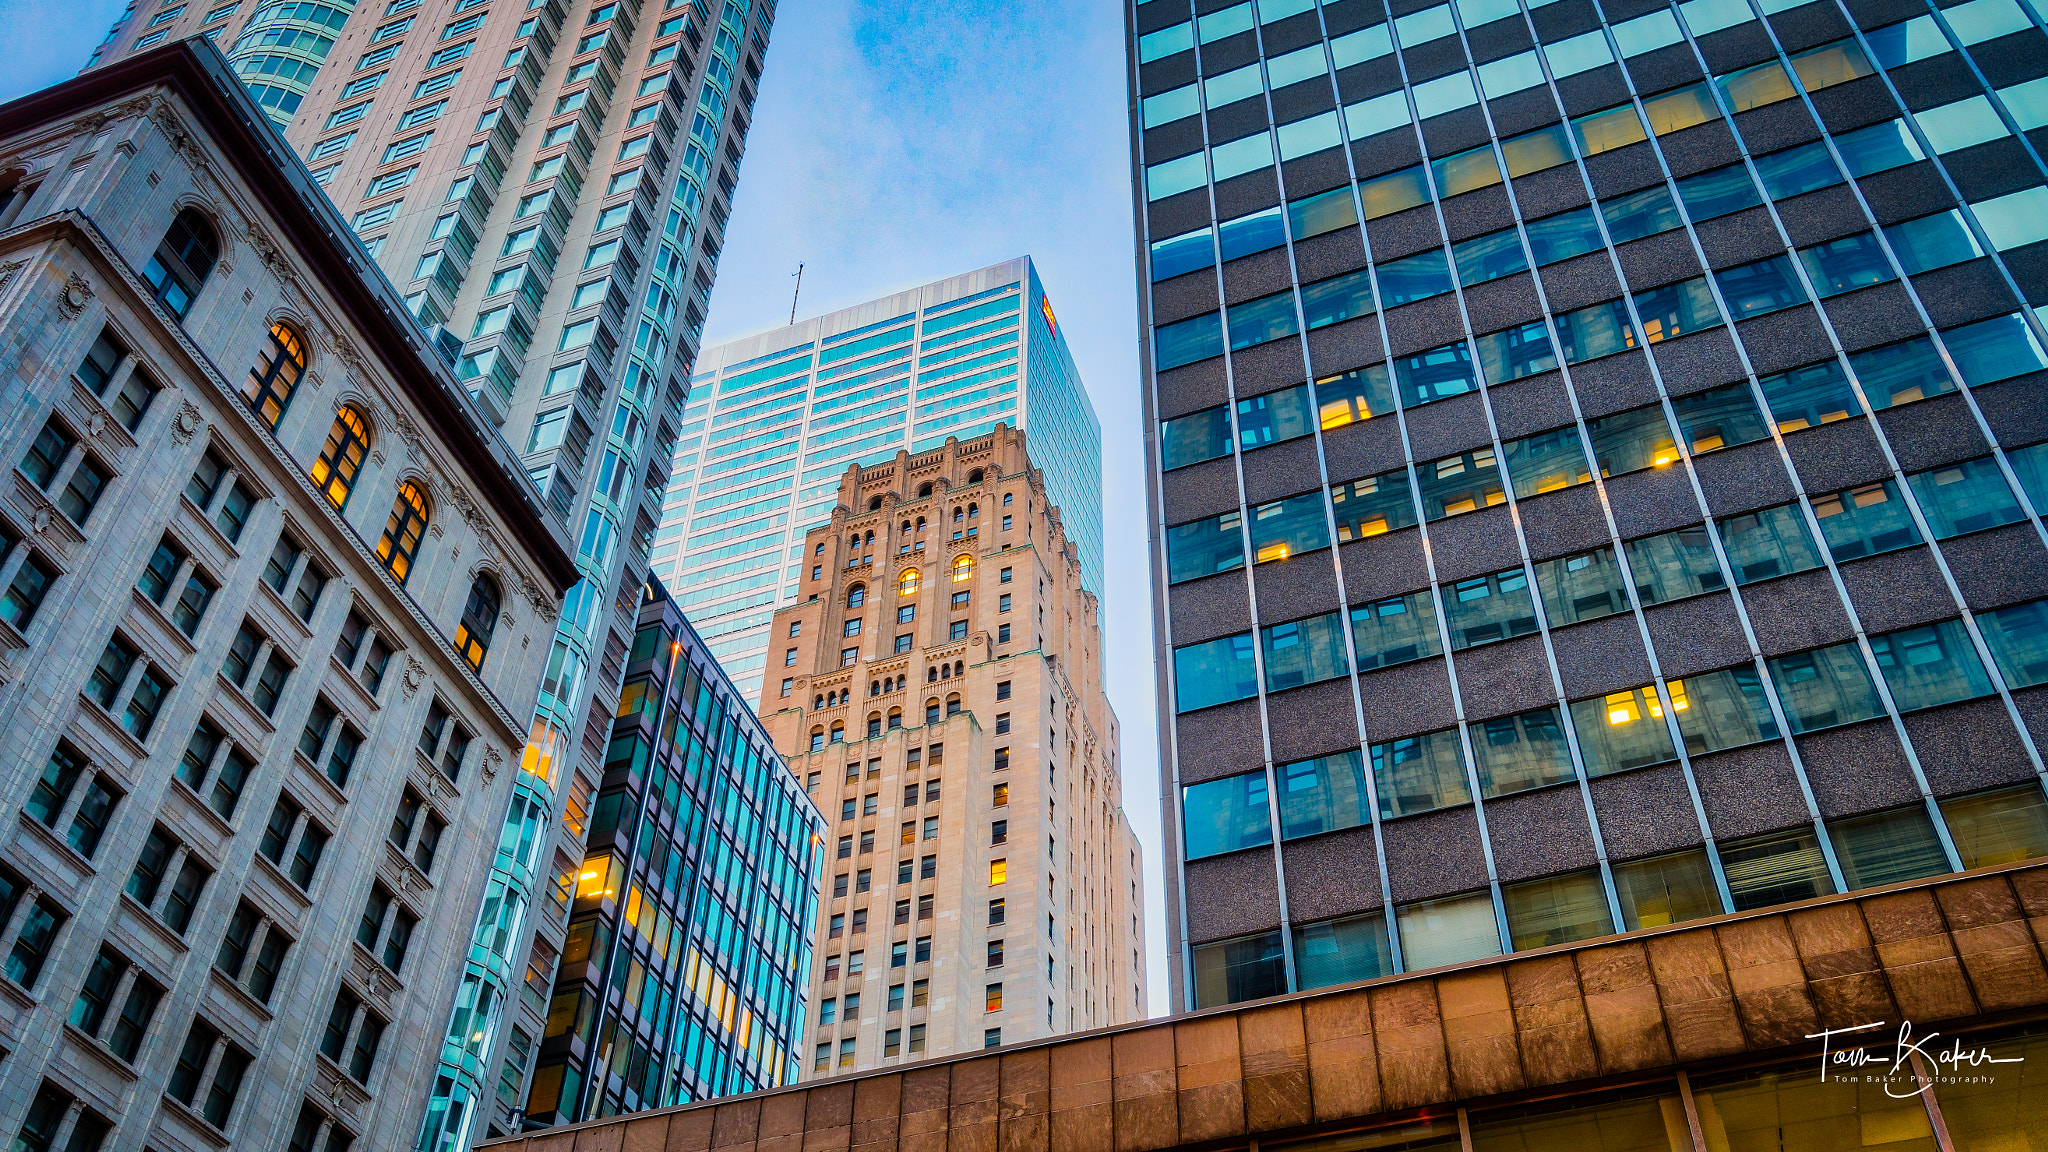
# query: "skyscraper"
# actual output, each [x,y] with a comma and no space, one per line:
[687,967]
[1597,460]
[277,599]
[775,418]
[548,186]
[940,690]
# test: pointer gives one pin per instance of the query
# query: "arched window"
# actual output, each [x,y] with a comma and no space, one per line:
[906,527]
[182,261]
[963,568]
[974,477]
[838,732]
[874,687]
[817,739]
[931,675]
[973,511]
[401,541]
[819,703]
[871,537]
[907,584]
[874,725]
[920,524]
[874,502]
[479,620]
[945,671]
[895,718]
[953,705]
[931,711]
[275,375]
[959,668]
[335,471]
[856,595]
[957,514]
[855,543]
[924,489]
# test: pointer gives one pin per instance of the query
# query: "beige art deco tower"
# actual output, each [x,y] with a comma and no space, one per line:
[939,688]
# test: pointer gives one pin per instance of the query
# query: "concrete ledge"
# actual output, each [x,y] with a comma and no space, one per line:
[1938,952]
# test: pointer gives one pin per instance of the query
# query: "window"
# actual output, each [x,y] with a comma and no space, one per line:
[341,457]
[1775,869]
[1666,890]
[1768,542]
[1246,968]
[1622,730]
[402,531]
[1488,608]
[479,622]
[182,261]
[275,375]
[1965,497]
[1864,521]
[1824,688]
[32,582]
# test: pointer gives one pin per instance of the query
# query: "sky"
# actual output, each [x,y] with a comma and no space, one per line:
[894,144]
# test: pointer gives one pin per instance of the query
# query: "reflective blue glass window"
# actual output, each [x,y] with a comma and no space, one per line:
[1720,418]
[1349,397]
[1878,148]
[1901,373]
[1969,496]
[1563,236]
[1763,287]
[1582,587]
[1284,528]
[1864,521]
[1489,257]
[1546,462]
[1674,565]
[1639,214]
[1394,631]
[1261,320]
[2018,639]
[1931,242]
[1724,709]
[1622,730]
[1595,331]
[1930,665]
[1459,484]
[1226,815]
[1675,310]
[1324,212]
[1274,417]
[1416,277]
[1193,438]
[1342,950]
[1796,170]
[1435,374]
[1179,255]
[1846,264]
[1420,774]
[1487,608]
[1214,672]
[1254,233]
[1717,193]
[1520,752]
[1767,542]
[1323,795]
[1516,353]
[1327,302]
[1189,340]
[1632,441]
[2031,466]
[1304,651]
[1810,396]
[1372,506]
[1204,548]
[1995,349]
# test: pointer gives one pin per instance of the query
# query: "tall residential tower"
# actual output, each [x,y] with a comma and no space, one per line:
[939,686]
[774,420]
[547,183]
[1598,455]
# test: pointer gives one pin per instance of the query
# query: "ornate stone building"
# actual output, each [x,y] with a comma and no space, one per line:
[939,688]
[274,604]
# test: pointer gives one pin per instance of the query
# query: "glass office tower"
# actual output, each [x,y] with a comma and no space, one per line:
[547,182]
[689,953]
[774,420]
[1598,456]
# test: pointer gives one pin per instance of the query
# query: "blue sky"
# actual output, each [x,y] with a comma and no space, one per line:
[893,145]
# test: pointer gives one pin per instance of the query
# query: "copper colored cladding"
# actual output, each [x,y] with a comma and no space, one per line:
[1732,989]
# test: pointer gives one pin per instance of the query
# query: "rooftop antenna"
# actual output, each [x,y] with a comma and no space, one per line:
[799,290]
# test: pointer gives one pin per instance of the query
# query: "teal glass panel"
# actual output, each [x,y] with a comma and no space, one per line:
[1931,665]
[1420,774]
[1394,631]
[1825,688]
[1204,548]
[1864,521]
[1520,752]
[1767,542]
[1372,506]
[1323,795]
[1516,353]
[1284,528]
[1304,651]
[1968,496]
[1215,672]
[1193,438]
[1226,815]
[1487,608]
[1436,374]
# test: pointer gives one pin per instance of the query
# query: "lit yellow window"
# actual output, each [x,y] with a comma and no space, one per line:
[963,568]
[907,584]
[998,871]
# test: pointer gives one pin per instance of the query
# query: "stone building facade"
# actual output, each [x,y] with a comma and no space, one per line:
[277,598]
[939,689]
